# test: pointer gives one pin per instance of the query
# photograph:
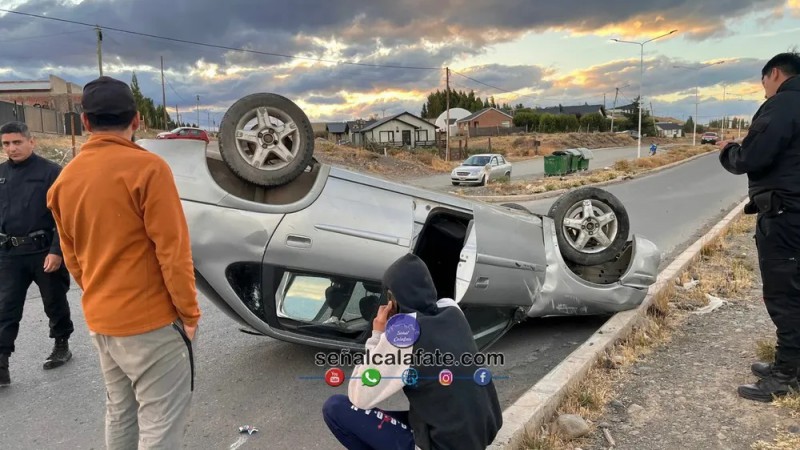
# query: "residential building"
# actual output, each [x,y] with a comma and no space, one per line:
[485,118]
[54,93]
[338,132]
[404,129]
[577,111]
[669,129]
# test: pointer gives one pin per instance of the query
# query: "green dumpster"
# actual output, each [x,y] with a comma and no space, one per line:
[556,164]
[586,155]
[574,159]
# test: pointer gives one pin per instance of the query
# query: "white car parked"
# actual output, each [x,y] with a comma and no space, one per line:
[478,169]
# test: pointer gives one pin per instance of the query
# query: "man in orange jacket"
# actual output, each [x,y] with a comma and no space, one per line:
[126,242]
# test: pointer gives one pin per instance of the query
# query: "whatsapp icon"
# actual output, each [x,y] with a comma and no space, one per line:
[371,377]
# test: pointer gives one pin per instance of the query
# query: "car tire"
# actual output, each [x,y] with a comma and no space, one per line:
[508,174]
[483,181]
[456,183]
[575,237]
[285,149]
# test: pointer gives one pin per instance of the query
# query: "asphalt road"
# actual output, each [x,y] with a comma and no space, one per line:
[249,380]
[534,168]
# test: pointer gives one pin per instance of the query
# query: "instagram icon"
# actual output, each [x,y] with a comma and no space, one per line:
[445,377]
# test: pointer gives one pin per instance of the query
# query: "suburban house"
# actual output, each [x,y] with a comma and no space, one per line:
[54,93]
[354,128]
[669,129]
[404,129]
[577,111]
[485,118]
[337,132]
[624,109]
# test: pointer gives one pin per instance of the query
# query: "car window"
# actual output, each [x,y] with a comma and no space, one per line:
[494,161]
[501,160]
[477,161]
[315,298]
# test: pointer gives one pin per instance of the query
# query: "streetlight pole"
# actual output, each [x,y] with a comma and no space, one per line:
[641,80]
[696,97]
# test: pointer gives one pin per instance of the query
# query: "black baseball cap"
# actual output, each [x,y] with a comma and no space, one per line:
[106,96]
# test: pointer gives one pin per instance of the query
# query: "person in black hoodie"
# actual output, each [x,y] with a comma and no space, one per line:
[463,415]
[770,156]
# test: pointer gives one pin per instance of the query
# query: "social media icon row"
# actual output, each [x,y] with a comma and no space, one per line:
[372,377]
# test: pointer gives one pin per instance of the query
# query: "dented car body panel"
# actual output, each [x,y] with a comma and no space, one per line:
[303,263]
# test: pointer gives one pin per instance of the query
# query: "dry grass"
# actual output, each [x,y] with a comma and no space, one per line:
[784,441]
[717,276]
[521,146]
[620,170]
[765,350]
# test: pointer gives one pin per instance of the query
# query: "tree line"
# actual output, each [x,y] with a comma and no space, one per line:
[152,115]
[437,103]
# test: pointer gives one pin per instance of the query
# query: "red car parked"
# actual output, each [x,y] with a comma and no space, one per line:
[185,133]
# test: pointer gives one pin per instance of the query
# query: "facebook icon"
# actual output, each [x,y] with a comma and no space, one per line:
[482,377]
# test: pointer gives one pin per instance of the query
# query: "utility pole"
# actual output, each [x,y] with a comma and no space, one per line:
[198,111]
[177,116]
[724,117]
[447,124]
[614,109]
[694,122]
[99,49]
[164,95]
[653,113]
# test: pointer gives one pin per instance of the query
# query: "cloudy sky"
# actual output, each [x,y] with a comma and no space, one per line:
[349,59]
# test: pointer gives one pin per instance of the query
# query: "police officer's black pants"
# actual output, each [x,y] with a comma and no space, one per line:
[17,273]
[778,243]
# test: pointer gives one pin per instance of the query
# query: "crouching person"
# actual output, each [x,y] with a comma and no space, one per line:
[445,411]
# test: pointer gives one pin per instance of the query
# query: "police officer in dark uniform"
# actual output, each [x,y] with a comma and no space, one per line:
[29,247]
[770,156]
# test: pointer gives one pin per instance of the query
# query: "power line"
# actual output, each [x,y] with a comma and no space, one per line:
[222,47]
[43,36]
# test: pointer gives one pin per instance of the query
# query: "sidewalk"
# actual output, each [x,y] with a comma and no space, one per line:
[680,393]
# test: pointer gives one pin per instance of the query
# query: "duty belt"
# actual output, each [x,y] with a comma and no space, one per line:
[16,241]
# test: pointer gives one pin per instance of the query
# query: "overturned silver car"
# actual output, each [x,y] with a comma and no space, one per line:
[295,249]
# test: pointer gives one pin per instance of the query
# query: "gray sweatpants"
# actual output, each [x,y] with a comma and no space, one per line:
[149,384]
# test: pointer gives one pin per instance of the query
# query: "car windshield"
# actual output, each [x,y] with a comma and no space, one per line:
[476,161]
[176,130]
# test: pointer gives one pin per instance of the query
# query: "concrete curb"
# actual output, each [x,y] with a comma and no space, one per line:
[550,194]
[537,405]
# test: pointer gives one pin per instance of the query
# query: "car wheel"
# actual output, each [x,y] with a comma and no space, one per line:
[483,181]
[456,183]
[266,139]
[508,174]
[592,225]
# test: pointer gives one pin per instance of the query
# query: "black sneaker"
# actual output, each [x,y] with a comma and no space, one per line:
[59,356]
[761,369]
[780,381]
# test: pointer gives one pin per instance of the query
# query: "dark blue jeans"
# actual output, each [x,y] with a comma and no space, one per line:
[372,429]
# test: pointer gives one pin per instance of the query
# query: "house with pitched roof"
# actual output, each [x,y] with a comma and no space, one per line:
[669,129]
[486,118]
[400,130]
[337,131]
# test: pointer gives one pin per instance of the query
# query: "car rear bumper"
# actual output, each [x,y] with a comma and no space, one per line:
[566,293]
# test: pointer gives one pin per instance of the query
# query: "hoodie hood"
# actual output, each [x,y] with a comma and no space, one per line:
[410,281]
